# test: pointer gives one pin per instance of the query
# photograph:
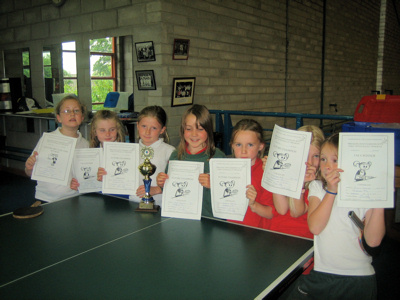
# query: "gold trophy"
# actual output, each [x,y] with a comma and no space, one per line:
[147,169]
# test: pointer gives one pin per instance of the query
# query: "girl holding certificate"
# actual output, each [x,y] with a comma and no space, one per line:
[197,144]
[105,127]
[291,214]
[70,113]
[342,266]
[152,130]
[247,141]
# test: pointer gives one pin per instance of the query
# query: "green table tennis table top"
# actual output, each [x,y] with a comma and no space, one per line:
[97,247]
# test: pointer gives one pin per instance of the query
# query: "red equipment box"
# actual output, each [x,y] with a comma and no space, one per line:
[378,108]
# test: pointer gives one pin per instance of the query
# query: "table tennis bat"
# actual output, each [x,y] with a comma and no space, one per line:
[28,212]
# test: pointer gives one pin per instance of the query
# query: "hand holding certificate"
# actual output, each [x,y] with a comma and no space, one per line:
[86,163]
[229,178]
[121,161]
[54,160]
[286,164]
[183,194]
[368,163]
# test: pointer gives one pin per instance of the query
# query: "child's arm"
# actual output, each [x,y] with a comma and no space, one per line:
[154,190]
[204,180]
[161,178]
[74,184]
[374,228]
[281,203]
[319,212]
[256,207]
[100,173]
[30,162]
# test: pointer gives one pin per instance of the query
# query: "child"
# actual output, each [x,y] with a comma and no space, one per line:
[197,144]
[105,127]
[291,216]
[342,270]
[247,141]
[152,130]
[70,112]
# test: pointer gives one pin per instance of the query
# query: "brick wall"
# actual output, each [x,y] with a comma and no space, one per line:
[245,54]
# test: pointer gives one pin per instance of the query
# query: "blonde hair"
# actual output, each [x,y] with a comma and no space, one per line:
[57,110]
[105,115]
[333,141]
[317,139]
[203,119]
[159,114]
[249,125]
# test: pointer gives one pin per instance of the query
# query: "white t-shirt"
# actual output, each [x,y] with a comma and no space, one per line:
[336,248]
[51,192]
[162,152]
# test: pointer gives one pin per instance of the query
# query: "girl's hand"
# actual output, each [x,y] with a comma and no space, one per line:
[251,194]
[74,184]
[311,173]
[161,177]
[100,173]
[332,179]
[141,191]
[204,180]
[264,161]
[30,162]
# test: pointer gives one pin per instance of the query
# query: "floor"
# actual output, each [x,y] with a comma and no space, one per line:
[18,191]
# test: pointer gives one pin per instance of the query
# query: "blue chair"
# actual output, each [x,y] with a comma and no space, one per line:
[111,100]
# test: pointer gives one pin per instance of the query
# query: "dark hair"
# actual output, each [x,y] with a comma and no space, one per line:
[249,125]
[203,119]
[105,115]
[159,114]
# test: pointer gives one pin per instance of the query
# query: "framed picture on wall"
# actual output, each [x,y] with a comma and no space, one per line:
[145,80]
[181,49]
[183,91]
[145,51]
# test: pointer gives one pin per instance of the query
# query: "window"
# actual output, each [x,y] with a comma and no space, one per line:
[26,63]
[70,79]
[102,69]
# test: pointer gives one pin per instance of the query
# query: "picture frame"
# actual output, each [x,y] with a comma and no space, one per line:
[145,51]
[181,49]
[146,80]
[183,91]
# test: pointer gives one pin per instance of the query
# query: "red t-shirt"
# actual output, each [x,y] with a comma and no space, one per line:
[263,197]
[294,226]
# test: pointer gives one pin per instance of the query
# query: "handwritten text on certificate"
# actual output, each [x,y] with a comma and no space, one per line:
[229,178]
[54,160]
[121,161]
[286,164]
[367,160]
[183,193]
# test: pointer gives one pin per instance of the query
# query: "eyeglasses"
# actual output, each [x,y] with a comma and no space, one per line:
[69,111]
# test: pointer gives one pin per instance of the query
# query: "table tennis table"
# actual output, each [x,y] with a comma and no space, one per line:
[95,246]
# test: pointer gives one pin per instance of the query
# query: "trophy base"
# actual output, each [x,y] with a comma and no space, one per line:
[148,207]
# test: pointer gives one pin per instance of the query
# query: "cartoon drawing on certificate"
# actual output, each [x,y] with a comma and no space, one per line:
[86,172]
[228,191]
[280,160]
[53,158]
[180,188]
[361,173]
[118,167]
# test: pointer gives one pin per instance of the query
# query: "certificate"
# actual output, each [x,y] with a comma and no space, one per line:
[85,166]
[54,160]
[229,178]
[367,160]
[121,161]
[183,194]
[286,164]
